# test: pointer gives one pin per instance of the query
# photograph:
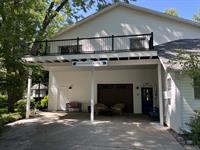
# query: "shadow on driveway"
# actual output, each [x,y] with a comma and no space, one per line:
[61,131]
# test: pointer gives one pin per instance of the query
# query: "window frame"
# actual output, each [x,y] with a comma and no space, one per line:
[70,51]
[141,41]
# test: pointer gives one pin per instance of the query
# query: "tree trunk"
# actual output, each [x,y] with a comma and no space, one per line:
[10,100]
[15,88]
[13,97]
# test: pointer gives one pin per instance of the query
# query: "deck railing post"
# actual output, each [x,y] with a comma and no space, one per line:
[112,42]
[46,47]
[151,41]
[77,44]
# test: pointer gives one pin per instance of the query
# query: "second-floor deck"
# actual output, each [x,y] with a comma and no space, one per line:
[87,45]
[112,47]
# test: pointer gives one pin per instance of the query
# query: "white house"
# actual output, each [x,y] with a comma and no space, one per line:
[121,54]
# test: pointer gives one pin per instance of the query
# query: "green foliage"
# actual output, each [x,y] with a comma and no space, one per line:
[195,129]
[191,64]
[103,3]
[3,110]
[20,106]
[196,17]
[3,101]
[22,22]
[43,103]
[171,11]
[7,118]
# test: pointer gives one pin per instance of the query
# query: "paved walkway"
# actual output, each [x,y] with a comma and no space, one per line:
[58,131]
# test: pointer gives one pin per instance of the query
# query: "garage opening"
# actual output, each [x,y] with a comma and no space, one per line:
[111,94]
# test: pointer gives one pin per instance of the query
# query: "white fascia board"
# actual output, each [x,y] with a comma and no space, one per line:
[44,59]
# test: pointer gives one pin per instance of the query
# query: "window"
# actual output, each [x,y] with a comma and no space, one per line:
[69,49]
[196,89]
[138,43]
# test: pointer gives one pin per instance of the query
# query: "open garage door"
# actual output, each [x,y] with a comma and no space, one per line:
[110,94]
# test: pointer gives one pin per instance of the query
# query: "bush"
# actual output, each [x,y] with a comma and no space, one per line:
[7,118]
[195,129]
[20,106]
[43,103]
[3,110]
[3,101]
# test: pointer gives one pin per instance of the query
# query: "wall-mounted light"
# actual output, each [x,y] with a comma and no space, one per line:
[137,87]
[70,87]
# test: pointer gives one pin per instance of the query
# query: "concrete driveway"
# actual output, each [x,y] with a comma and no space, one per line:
[58,131]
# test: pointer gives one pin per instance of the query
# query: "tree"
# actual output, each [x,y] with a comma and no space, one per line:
[171,11]
[22,22]
[18,27]
[191,66]
[196,17]
[104,3]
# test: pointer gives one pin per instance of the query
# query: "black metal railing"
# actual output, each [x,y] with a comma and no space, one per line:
[119,43]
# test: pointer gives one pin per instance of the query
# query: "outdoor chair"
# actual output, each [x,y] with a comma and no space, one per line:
[118,108]
[73,106]
[100,108]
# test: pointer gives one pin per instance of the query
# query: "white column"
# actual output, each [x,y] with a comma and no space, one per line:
[92,97]
[28,95]
[160,94]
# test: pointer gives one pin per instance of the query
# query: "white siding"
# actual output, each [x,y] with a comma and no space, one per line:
[120,21]
[189,104]
[172,108]
[80,81]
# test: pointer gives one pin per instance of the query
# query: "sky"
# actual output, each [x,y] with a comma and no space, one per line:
[185,8]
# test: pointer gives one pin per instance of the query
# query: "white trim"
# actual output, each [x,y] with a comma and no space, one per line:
[142,9]
[160,94]
[111,65]
[92,97]
[28,95]
[178,103]
[60,58]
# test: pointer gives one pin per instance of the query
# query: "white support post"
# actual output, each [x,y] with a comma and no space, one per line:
[28,95]
[160,94]
[92,97]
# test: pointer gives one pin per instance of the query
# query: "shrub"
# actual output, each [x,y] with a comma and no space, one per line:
[3,110]
[43,103]
[7,118]
[20,106]
[195,129]
[3,101]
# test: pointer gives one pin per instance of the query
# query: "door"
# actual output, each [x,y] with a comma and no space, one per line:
[111,94]
[147,100]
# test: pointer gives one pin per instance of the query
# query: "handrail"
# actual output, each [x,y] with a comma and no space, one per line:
[104,44]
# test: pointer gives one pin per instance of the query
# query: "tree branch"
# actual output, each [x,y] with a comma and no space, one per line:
[50,17]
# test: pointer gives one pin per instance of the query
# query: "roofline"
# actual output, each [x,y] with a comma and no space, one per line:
[146,10]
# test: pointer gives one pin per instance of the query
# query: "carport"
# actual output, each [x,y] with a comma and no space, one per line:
[95,69]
